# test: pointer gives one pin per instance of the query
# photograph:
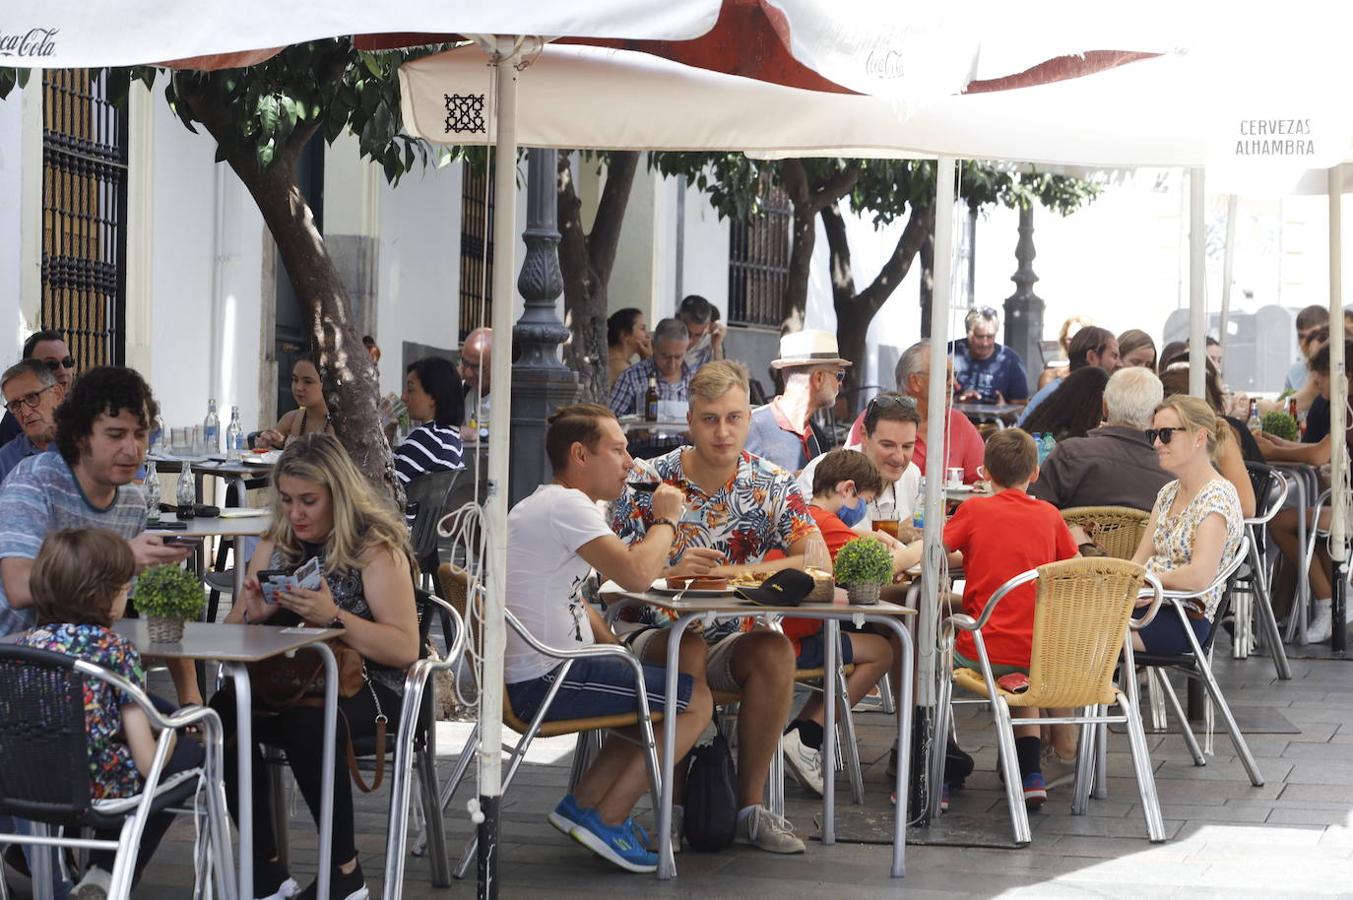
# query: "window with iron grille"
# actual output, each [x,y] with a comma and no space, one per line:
[758,262]
[84,216]
[476,249]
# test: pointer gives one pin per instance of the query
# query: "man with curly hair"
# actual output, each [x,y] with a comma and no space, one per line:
[101,432]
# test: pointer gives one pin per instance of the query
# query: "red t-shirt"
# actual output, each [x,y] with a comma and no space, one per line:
[835,534]
[1000,537]
[965,445]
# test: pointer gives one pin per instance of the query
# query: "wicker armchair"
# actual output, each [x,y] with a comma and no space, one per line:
[1082,613]
[1117,529]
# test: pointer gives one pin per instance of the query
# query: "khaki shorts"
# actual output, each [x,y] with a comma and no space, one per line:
[718,662]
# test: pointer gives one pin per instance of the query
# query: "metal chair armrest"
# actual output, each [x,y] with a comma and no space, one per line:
[1223,576]
[1273,507]
[183,718]
[457,648]
[961,621]
[1019,580]
[593,650]
[1157,594]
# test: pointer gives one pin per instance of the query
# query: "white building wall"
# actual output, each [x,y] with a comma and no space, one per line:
[12,216]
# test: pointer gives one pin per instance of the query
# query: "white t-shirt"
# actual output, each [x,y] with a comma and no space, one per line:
[545,576]
[895,501]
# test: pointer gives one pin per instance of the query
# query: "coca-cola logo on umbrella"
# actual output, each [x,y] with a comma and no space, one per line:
[34,43]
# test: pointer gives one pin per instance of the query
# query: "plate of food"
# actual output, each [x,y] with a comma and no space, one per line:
[694,586]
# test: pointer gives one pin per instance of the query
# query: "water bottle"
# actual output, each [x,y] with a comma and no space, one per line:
[151,488]
[918,506]
[185,493]
[211,429]
[234,435]
[1254,423]
[157,436]
[1045,448]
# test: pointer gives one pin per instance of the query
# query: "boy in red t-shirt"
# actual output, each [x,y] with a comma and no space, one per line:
[842,478]
[1000,537]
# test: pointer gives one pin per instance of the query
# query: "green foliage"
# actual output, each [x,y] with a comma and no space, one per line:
[169,592]
[1280,424]
[272,108]
[863,560]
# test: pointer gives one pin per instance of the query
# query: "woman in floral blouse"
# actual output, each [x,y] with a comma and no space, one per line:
[79,584]
[1196,523]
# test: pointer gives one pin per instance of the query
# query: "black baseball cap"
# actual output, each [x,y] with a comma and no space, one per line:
[787,587]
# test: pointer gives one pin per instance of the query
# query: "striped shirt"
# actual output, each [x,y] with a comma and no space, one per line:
[428,448]
[631,388]
[42,495]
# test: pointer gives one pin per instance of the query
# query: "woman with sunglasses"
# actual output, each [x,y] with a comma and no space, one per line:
[1195,526]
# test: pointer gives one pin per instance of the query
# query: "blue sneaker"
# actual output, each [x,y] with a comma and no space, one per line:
[1035,790]
[617,844]
[566,815]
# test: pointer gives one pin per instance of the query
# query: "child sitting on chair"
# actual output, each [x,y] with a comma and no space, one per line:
[1000,537]
[79,583]
[842,478]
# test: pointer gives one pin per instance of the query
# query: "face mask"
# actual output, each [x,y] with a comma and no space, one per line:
[852,515]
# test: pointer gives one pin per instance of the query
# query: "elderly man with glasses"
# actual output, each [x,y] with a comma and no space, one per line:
[32,394]
[782,431]
[984,370]
[49,348]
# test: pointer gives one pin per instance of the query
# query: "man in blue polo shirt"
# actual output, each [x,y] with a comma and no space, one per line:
[32,394]
[985,371]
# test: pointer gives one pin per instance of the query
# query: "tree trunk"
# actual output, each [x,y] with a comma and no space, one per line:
[346,370]
[927,282]
[855,311]
[586,261]
[803,240]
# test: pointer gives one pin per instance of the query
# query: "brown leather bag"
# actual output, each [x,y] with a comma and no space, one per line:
[283,682]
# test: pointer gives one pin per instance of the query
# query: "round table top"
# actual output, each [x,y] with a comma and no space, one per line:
[233,522]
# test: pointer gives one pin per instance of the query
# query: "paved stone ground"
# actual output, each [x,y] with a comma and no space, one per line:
[1291,837]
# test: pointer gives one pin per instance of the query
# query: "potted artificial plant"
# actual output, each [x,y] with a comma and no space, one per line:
[864,566]
[168,596]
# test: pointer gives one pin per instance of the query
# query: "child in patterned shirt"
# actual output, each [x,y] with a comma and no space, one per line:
[79,585]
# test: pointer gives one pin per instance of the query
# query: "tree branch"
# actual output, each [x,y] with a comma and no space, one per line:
[834,188]
[843,278]
[604,239]
[918,227]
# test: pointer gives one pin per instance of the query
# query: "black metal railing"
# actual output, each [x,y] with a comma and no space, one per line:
[84,216]
[476,235]
[758,263]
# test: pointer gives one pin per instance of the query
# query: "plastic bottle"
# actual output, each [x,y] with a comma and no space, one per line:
[234,435]
[211,429]
[918,506]
[185,493]
[1254,423]
[1038,442]
[151,488]
[1045,449]
[158,434]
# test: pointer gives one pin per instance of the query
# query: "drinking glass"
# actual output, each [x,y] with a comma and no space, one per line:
[179,441]
[199,441]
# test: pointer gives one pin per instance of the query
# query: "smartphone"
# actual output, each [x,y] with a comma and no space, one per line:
[181,539]
[168,526]
[271,581]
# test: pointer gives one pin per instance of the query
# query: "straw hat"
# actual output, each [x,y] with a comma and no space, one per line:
[809,347]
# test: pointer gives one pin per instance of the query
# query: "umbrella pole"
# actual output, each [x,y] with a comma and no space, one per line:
[1338,415]
[1227,267]
[493,624]
[1197,286]
[927,639]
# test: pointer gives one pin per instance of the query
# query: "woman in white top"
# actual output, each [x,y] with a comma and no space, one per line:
[1196,523]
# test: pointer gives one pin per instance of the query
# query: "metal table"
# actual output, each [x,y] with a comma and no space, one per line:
[229,526]
[1001,413]
[1306,480]
[235,646]
[882,613]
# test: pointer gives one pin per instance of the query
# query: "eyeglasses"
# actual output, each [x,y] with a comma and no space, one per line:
[30,400]
[1164,435]
[54,364]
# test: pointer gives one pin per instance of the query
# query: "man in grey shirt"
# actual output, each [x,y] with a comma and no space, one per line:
[1113,465]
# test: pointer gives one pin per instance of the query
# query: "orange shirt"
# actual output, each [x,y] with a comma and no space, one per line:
[835,534]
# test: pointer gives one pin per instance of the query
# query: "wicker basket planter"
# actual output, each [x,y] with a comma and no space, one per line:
[824,587]
[164,631]
[864,593]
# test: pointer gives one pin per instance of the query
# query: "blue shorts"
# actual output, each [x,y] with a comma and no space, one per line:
[813,649]
[1165,635]
[595,687]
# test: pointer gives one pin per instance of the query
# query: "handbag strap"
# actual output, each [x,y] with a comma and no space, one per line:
[381,721]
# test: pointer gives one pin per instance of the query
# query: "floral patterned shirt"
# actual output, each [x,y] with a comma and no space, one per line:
[758,510]
[1172,543]
[112,771]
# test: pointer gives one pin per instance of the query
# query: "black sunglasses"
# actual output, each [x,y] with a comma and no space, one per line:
[1164,435]
[54,364]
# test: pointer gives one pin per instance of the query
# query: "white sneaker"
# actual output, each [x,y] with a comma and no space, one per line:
[764,829]
[94,886]
[1321,626]
[803,761]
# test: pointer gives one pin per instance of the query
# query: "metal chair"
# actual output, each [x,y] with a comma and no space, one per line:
[1117,529]
[1197,664]
[642,717]
[1270,491]
[45,775]
[429,494]
[1082,614]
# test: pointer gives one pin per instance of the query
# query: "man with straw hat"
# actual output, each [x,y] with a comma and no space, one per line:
[782,431]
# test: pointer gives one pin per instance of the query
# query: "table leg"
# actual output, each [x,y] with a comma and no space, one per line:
[244,742]
[1296,619]
[666,862]
[238,541]
[904,713]
[326,815]
[831,636]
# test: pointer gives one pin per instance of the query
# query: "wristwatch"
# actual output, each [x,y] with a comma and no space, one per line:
[337,620]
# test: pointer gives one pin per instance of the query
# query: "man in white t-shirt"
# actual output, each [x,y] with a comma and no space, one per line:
[891,425]
[555,537]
